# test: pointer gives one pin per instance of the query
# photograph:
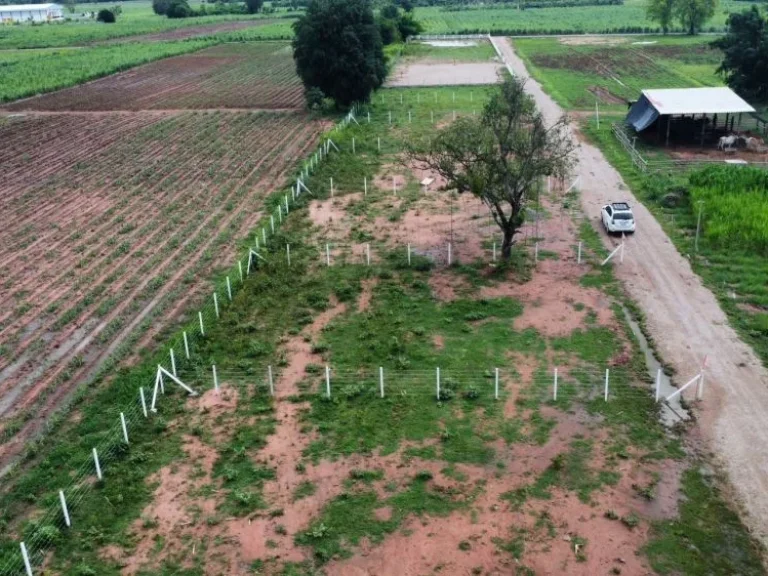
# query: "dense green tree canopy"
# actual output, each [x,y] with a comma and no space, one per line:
[662,12]
[745,54]
[338,49]
[693,14]
[253,6]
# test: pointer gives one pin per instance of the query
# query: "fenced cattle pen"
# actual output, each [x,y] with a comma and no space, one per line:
[178,367]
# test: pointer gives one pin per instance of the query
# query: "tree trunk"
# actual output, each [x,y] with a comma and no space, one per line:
[506,243]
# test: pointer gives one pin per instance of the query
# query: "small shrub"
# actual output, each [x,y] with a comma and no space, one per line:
[465,546]
[106,16]
[631,520]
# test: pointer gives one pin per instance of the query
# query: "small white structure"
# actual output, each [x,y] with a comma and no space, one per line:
[31,13]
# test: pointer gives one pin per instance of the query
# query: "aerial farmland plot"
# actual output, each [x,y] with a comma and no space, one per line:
[113,221]
[235,75]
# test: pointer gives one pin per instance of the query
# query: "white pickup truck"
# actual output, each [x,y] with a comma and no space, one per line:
[618,218]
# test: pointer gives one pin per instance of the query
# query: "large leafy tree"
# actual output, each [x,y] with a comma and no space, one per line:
[500,158]
[662,12]
[745,54]
[338,49]
[253,6]
[694,13]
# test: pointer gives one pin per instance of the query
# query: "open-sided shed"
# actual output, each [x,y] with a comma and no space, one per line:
[688,113]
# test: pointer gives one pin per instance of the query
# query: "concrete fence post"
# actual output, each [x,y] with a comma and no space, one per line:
[202,328]
[331,187]
[240,269]
[381,381]
[438,384]
[368,254]
[496,384]
[365,186]
[578,256]
[607,376]
[378,143]
[494,252]
[229,290]
[216,304]
[700,386]
[25,558]
[143,402]
[97,464]
[409,254]
[536,252]
[272,222]
[64,509]
[173,363]
[327,381]
[215,378]
[658,384]
[449,254]
[271,381]
[554,390]
[125,427]
[288,253]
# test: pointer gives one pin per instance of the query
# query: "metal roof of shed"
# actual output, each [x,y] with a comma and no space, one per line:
[27,7]
[677,101]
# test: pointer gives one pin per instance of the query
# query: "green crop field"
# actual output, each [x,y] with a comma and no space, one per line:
[614,70]
[628,17]
[137,18]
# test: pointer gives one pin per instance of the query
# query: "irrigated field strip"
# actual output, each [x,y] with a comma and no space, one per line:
[124,209]
[257,75]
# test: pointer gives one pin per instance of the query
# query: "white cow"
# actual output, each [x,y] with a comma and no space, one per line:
[726,142]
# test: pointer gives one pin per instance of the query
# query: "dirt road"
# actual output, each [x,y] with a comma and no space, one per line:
[687,324]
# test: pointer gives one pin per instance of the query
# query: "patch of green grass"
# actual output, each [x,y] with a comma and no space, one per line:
[351,517]
[706,538]
[304,489]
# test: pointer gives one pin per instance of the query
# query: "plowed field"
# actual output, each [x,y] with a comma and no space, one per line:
[111,219]
[235,76]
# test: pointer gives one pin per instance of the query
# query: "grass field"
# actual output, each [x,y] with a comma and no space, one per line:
[577,72]
[623,18]
[301,484]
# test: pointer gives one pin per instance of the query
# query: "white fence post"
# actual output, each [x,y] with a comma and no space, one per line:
[700,385]
[658,383]
[353,146]
[494,252]
[97,465]
[331,187]
[285,198]
[390,117]
[186,344]
[409,254]
[365,186]
[554,391]
[240,268]
[64,509]
[202,328]
[125,427]
[438,384]
[143,402]
[381,381]
[449,254]
[216,304]
[607,376]
[271,381]
[288,253]
[327,381]
[536,252]
[264,236]
[173,363]
[368,254]
[578,257]
[409,116]
[272,222]
[215,379]
[496,383]
[327,255]
[378,143]
[25,557]
[229,292]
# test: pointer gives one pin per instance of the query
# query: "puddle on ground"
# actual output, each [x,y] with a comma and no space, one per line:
[672,411]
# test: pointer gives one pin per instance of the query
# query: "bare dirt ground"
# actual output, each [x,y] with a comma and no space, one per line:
[687,325]
[416,74]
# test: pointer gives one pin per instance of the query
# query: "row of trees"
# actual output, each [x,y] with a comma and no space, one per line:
[745,54]
[691,14]
[339,47]
[182,9]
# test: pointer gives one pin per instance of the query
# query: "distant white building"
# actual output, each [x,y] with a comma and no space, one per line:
[31,12]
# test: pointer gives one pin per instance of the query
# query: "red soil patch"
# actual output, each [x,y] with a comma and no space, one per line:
[364,302]
[438,342]
[173,508]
